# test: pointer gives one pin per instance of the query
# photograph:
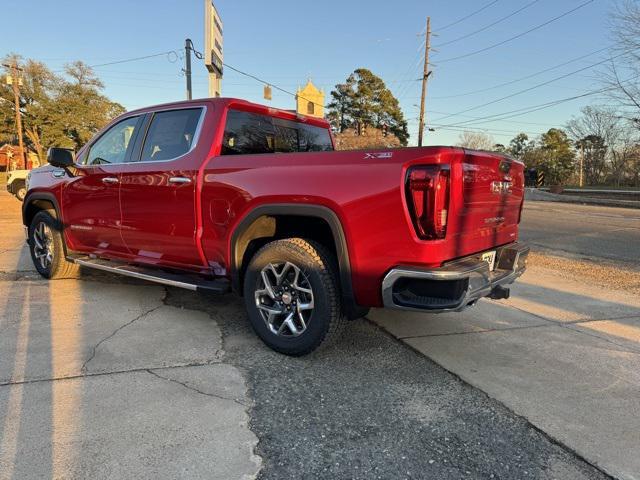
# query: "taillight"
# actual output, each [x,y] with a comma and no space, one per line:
[427,192]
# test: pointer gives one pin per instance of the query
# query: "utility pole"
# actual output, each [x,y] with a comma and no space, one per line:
[15,82]
[582,163]
[188,46]
[425,76]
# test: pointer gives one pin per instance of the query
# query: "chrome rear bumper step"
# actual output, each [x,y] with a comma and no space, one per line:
[456,285]
[187,280]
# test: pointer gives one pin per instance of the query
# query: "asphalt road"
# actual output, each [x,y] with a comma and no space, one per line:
[109,378]
[598,232]
[372,408]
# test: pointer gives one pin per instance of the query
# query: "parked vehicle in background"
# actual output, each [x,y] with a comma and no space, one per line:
[17,183]
[222,194]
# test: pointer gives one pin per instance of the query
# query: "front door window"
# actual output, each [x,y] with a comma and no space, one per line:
[112,146]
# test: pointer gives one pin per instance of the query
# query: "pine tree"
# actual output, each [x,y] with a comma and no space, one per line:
[364,99]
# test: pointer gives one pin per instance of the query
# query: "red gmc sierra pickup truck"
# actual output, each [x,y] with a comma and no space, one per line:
[222,194]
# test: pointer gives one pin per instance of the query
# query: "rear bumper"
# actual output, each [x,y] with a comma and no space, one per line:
[454,286]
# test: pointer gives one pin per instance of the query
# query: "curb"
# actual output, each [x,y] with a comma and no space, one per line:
[536,195]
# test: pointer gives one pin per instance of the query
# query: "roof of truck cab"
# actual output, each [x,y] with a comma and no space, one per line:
[238,104]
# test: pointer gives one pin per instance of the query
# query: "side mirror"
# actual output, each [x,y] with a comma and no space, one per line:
[60,157]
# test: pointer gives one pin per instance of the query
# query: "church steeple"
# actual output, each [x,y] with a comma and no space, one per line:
[310,100]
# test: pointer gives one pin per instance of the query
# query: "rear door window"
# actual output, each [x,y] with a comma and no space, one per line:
[170,135]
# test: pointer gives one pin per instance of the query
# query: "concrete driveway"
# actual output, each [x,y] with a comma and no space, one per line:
[98,380]
[564,351]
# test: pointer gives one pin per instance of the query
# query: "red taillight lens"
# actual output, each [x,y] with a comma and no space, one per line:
[427,192]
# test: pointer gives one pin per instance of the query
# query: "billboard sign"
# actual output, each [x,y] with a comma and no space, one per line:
[213,39]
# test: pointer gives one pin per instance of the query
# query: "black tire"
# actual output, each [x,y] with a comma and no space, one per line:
[57,266]
[21,191]
[325,320]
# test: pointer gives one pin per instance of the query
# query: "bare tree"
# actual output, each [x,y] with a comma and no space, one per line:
[607,141]
[623,74]
[476,140]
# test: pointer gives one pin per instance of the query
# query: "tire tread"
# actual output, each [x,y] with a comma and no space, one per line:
[326,268]
[60,268]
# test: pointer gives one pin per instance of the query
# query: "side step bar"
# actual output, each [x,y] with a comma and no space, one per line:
[188,281]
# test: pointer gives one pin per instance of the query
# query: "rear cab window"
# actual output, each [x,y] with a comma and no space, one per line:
[251,133]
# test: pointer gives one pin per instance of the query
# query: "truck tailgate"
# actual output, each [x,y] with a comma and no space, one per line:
[489,199]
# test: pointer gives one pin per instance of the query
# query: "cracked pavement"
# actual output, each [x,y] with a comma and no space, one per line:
[99,378]
[107,377]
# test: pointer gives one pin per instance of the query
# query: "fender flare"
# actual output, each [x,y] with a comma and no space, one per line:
[300,210]
[49,197]
[32,196]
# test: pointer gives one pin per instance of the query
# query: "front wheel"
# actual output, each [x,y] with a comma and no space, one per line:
[292,296]
[21,192]
[47,248]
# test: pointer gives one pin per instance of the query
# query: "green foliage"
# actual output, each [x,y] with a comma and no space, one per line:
[62,111]
[554,155]
[500,148]
[365,98]
[519,146]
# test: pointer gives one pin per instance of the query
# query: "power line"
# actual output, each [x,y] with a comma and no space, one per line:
[402,91]
[134,59]
[270,84]
[496,130]
[488,26]
[533,87]
[534,108]
[511,82]
[523,111]
[468,16]
[484,130]
[537,27]
[476,118]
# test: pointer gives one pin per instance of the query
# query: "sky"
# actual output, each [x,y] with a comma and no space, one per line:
[287,42]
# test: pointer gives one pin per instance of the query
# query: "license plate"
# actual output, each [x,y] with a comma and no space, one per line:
[490,258]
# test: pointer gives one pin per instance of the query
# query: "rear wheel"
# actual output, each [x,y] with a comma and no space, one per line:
[292,296]
[47,248]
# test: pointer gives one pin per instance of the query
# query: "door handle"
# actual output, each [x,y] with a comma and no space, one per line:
[110,180]
[179,180]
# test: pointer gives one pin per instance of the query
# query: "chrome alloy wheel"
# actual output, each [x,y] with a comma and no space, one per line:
[284,299]
[43,245]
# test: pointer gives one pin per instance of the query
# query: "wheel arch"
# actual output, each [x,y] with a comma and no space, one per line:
[38,201]
[261,225]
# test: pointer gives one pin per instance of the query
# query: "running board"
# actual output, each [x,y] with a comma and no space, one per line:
[187,280]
